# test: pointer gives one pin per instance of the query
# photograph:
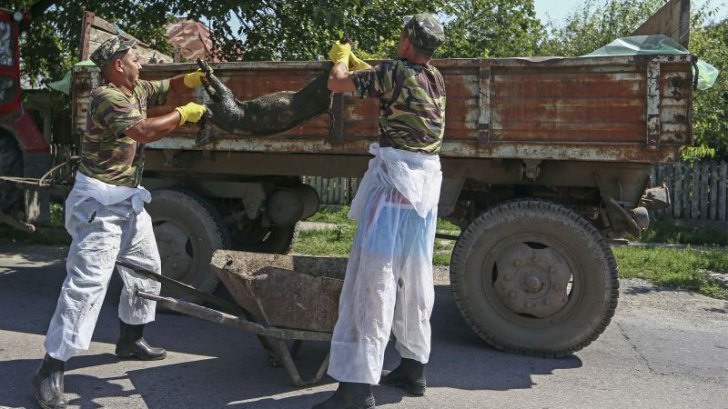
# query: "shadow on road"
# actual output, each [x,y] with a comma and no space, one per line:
[213,366]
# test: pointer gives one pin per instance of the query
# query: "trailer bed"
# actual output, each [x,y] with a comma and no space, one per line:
[626,109]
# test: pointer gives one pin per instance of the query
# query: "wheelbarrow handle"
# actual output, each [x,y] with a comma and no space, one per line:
[189,290]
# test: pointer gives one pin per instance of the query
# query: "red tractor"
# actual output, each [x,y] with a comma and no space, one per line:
[24,153]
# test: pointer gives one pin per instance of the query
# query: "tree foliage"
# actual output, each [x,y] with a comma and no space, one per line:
[250,30]
[304,29]
[710,107]
[594,24]
[490,28]
[280,29]
[50,42]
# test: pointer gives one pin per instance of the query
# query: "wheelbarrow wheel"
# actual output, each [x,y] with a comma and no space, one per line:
[188,229]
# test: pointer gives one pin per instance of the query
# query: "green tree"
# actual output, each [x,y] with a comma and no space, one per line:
[594,24]
[490,28]
[250,30]
[50,42]
[279,29]
[710,107]
[303,29]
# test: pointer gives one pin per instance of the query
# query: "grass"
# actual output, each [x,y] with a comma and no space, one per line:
[669,231]
[686,269]
[329,242]
[337,241]
[689,269]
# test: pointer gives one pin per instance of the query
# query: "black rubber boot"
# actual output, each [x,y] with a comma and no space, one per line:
[409,376]
[48,383]
[132,344]
[349,396]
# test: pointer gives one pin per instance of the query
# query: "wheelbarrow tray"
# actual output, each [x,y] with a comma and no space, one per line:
[284,291]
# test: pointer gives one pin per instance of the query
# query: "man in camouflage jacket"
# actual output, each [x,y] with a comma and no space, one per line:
[388,283]
[105,214]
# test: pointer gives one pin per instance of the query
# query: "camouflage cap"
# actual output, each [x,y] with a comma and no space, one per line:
[424,31]
[108,48]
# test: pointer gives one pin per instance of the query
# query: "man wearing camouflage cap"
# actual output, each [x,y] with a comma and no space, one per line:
[105,214]
[388,283]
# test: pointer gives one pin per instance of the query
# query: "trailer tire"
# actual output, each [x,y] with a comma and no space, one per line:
[11,164]
[188,229]
[533,277]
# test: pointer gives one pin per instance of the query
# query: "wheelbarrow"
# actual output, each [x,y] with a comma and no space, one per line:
[279,298]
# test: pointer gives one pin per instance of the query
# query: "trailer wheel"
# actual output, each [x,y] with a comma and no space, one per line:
[11,164]
[533,277]
[188,229]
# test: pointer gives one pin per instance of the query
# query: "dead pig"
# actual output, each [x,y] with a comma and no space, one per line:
[268,114]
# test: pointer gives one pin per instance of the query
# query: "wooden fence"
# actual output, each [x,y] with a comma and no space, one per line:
[333,192]
[698,190]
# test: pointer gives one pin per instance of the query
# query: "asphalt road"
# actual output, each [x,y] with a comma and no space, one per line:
[663,349]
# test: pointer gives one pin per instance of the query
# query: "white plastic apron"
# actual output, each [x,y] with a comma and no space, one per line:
[388,284]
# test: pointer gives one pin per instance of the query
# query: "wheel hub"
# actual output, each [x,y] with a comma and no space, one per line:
[532,281]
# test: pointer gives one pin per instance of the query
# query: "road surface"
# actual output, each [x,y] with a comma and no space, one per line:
[663,349]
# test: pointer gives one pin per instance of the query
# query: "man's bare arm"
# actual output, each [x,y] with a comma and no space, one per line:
[340,79]
[154,129]
[177,85]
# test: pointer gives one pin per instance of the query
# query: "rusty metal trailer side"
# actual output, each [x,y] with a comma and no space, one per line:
[625,109]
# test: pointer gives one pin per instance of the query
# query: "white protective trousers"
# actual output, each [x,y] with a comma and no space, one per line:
[106,224]
[388,285]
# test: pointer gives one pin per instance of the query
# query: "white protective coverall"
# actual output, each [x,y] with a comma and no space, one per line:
[107,223]
[388,284]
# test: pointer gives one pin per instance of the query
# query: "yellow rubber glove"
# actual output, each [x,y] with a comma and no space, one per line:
[356,63]
[190,113]
[340,53]
[194,79]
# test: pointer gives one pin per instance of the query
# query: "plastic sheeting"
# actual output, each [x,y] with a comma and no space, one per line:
[388,283]
[64,84]
[656,44]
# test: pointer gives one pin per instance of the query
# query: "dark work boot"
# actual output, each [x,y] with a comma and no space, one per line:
[409,375]
[48,383]
[349,396]
[131,344]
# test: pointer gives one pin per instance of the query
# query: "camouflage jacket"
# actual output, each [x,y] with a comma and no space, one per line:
[411,104]
[107,153]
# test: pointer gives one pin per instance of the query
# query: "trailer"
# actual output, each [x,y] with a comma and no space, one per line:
[544,160]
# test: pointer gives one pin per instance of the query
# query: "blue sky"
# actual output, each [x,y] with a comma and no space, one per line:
[554,9]
[557,10]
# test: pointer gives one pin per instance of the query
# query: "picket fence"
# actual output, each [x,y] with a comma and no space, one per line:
[333,192]
[698,190]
